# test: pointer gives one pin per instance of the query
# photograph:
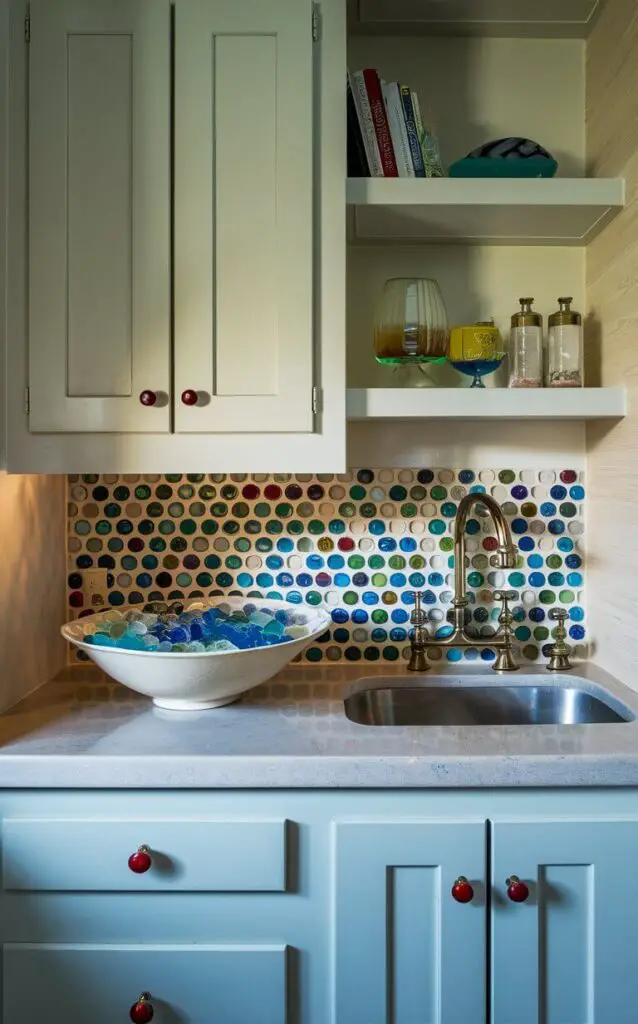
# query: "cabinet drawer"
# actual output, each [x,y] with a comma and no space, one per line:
[198,984]
[186,855]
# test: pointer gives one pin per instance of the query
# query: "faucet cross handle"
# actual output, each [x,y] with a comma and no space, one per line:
[418,616]
[559,651]
[505,596]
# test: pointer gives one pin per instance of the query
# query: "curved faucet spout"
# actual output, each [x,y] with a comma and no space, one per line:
[506,553]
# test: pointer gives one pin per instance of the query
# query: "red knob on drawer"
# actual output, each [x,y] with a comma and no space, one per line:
[141,1012]
[517,891]
[140,862]
[462,891]
[189,397]
[148,398]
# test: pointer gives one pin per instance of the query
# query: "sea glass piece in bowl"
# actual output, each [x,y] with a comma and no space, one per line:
[194,680]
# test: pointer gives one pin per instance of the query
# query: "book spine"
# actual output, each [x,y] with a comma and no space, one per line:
[380,121]
[418,120]
[413,138]
[357,159]
[398,131]
[429,147]
[364,113]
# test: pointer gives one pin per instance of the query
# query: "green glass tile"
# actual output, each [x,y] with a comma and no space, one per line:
[121,494]
[523,633]
[379,616]
[263,544]
[163,492]
[242,544]
[357,493]
[568,510]
[554,561]
[396,562]
[94,544]
[195,478]
[176,509]
[252,526]
[82,528]
[204,579]
[240,509]
[408,510]
[262,509]
[315,526]
[115,544]
[389,597]
[566,597]
[112,510]
[356,561]
[438,493]
[529,509]
[230,526]
[283,510]
[178,544]
[347,509]
[188,526]
[313,597]
[314,654]
[337,526]
[398,493]
[350,597]
[418,493]
[219,509]
[507,476]
[274,526]
[476,579]
[325,544]
[541,633]
[417,562]
[206,492]
[294,527]
[209,526]
[437,527]
[157,544]
[376,561]
[531,652]
[229,492]
[183,579]
[155,509]
[446,544]
[173,478]
[166,527]
[103,527]
[185,491]
[142,492]
[547,597]
[379,579]
[304,544]
[368,510]
[233,562]
[516,579]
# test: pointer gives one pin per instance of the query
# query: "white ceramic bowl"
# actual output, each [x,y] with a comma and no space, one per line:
[195,681]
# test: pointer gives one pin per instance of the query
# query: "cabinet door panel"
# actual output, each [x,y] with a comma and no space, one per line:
[567,955]
[99,274]
[198,985]
[406,952]
[244,215]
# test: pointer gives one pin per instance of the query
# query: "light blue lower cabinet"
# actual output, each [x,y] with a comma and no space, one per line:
[60,984]
[569,953]
[406,951]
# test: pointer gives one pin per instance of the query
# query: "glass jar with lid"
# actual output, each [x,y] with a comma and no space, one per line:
[526,347]
[565,347]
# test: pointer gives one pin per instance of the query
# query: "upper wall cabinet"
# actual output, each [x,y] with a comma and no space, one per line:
[186,235]
[99,215]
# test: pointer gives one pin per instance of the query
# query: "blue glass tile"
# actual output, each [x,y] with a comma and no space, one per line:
[398,580]
[576,614]
[359,616]
[577,632]
[369,597]
[575,579]
[387,544]
[336,561]
[285,579]
[342,579]
[535,562]
[407,544]
[526,544]
[558,492]
[565,544]
[399,615]
[548,509]
[556,526]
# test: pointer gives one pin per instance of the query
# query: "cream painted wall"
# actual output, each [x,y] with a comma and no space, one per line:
[612,343]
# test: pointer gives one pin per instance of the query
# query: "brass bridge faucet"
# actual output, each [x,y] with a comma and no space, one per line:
[506,555]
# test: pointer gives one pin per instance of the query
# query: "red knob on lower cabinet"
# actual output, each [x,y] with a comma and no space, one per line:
[462,891]
[148,398]
[140,861]
[517,891]
[189,397]
[141,1012]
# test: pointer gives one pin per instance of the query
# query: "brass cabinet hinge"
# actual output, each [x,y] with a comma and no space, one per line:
[317,396]
[27,28]
[27,401]
[316,23]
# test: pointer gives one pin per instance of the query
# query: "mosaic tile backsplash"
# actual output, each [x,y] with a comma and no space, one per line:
[359,543]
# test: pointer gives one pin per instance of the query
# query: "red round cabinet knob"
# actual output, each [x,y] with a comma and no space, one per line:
[462,891]
[141,1012]
[148,398]
[189,397]
[517,891]
[140,861]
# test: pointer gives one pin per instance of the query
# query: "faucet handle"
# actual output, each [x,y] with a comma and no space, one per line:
[418,616]
[505,596]
[558,613]
[559,651]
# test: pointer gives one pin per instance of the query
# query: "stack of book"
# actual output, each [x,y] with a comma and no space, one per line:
[386,134]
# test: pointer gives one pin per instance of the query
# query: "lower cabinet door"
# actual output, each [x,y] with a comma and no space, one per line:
[185,984]
[406,951]
[568,953]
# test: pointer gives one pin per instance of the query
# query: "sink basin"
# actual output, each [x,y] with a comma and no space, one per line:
[480,705]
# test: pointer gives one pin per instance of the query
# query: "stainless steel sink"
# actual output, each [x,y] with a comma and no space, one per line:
[479,705]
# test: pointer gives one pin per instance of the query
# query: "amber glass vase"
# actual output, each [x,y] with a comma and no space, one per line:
[411,324]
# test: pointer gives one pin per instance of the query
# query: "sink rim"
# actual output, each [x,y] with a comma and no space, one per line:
[483,680]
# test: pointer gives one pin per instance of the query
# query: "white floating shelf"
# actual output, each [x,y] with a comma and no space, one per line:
[484,211]
[571,19]
[486,403]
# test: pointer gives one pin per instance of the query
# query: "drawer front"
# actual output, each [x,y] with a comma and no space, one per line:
[186,855]
[194,984]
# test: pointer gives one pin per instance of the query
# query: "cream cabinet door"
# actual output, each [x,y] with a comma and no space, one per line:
[244,216]
[99,215]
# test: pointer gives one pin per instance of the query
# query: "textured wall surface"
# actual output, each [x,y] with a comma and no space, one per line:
[32,605]
[360,543]
[612,342]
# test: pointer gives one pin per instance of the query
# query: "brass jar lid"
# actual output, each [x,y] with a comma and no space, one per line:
[565,315]
[526,316]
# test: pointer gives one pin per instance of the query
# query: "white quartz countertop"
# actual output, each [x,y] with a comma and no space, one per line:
[83,731]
